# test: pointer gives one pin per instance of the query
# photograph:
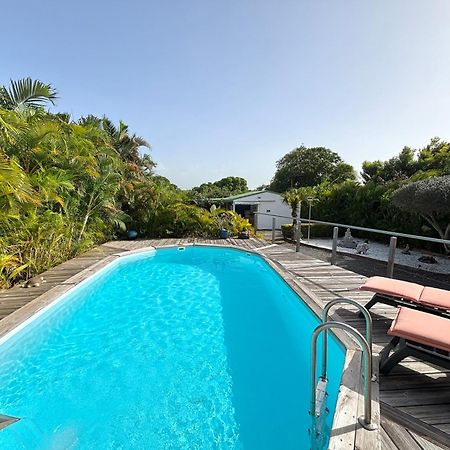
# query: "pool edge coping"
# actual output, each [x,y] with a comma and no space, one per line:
[345,432]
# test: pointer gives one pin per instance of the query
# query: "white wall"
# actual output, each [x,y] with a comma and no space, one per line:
[268,203]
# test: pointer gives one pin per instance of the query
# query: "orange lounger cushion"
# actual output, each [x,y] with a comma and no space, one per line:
[421,327]
[439,298]
[393,288]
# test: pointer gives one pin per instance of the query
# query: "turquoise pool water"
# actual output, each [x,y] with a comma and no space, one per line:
[204,348]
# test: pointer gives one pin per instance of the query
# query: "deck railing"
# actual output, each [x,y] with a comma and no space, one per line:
[392,244]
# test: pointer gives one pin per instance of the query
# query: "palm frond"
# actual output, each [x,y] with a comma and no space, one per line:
[109,127]
[27,93]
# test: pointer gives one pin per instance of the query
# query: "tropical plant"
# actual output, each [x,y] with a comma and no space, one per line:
[66,185]
[295,197]
[26,93]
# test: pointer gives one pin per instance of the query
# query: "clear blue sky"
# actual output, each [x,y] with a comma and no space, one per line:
[228,87]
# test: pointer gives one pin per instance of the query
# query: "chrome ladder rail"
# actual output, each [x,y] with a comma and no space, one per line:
[318,393]
[365,313]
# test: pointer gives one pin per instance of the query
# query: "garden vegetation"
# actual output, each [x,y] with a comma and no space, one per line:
[409,193]
[67,185]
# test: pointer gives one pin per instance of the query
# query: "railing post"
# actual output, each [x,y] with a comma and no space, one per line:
[391,259]
[334,247]
[297,237]
[273,229]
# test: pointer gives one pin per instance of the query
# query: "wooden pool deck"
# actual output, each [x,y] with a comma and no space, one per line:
[414,398]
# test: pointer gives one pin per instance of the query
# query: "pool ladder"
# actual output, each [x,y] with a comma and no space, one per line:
[318,392]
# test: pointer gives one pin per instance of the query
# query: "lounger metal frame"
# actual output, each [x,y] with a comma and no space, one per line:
[398,301]
[404,348]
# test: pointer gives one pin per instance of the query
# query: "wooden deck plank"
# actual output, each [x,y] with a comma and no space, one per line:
[423,443]
[400,436]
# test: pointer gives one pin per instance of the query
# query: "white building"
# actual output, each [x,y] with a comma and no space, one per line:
[259,207]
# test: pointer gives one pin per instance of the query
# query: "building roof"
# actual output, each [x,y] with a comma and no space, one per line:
[237,196]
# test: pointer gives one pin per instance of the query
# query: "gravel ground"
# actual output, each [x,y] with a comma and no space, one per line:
[380,251]
[369,267]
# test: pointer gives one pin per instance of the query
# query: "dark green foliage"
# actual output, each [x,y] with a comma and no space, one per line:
[363,205]
[288,231]
[432,160]
[429,198]
[219,189]
[310,167]
[317,231]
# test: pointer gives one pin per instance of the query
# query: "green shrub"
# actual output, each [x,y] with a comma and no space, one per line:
[182,220]
[317,230]
[287,231]
[231,221]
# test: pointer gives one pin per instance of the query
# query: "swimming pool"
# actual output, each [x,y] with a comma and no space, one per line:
[168,349]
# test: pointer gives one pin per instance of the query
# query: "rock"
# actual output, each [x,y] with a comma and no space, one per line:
[362,248]
[406,250]
[31,283]
[428,259]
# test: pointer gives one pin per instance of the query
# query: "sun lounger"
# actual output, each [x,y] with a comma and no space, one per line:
[403,293]
[420,335]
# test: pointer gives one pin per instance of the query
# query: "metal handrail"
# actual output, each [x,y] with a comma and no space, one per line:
[366,420]
[371,230]
[325,318]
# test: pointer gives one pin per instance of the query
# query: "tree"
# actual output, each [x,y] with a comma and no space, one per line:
[15,189]
[233,185]
[432,160]
[430,198]
[126,145]
[26,93]
[310,167]
[295,197]
[223,188]
[100,196]
[398,168]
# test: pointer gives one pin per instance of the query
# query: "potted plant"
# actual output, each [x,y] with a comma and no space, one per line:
[132,234]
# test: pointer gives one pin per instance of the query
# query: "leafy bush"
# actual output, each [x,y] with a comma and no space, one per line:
[183,220]
[317,231]
[288,231]
[231,221]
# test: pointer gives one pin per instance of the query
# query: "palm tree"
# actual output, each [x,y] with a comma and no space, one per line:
[126,145]
[99,196]
[26,93]
[15,188]
[294,197]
